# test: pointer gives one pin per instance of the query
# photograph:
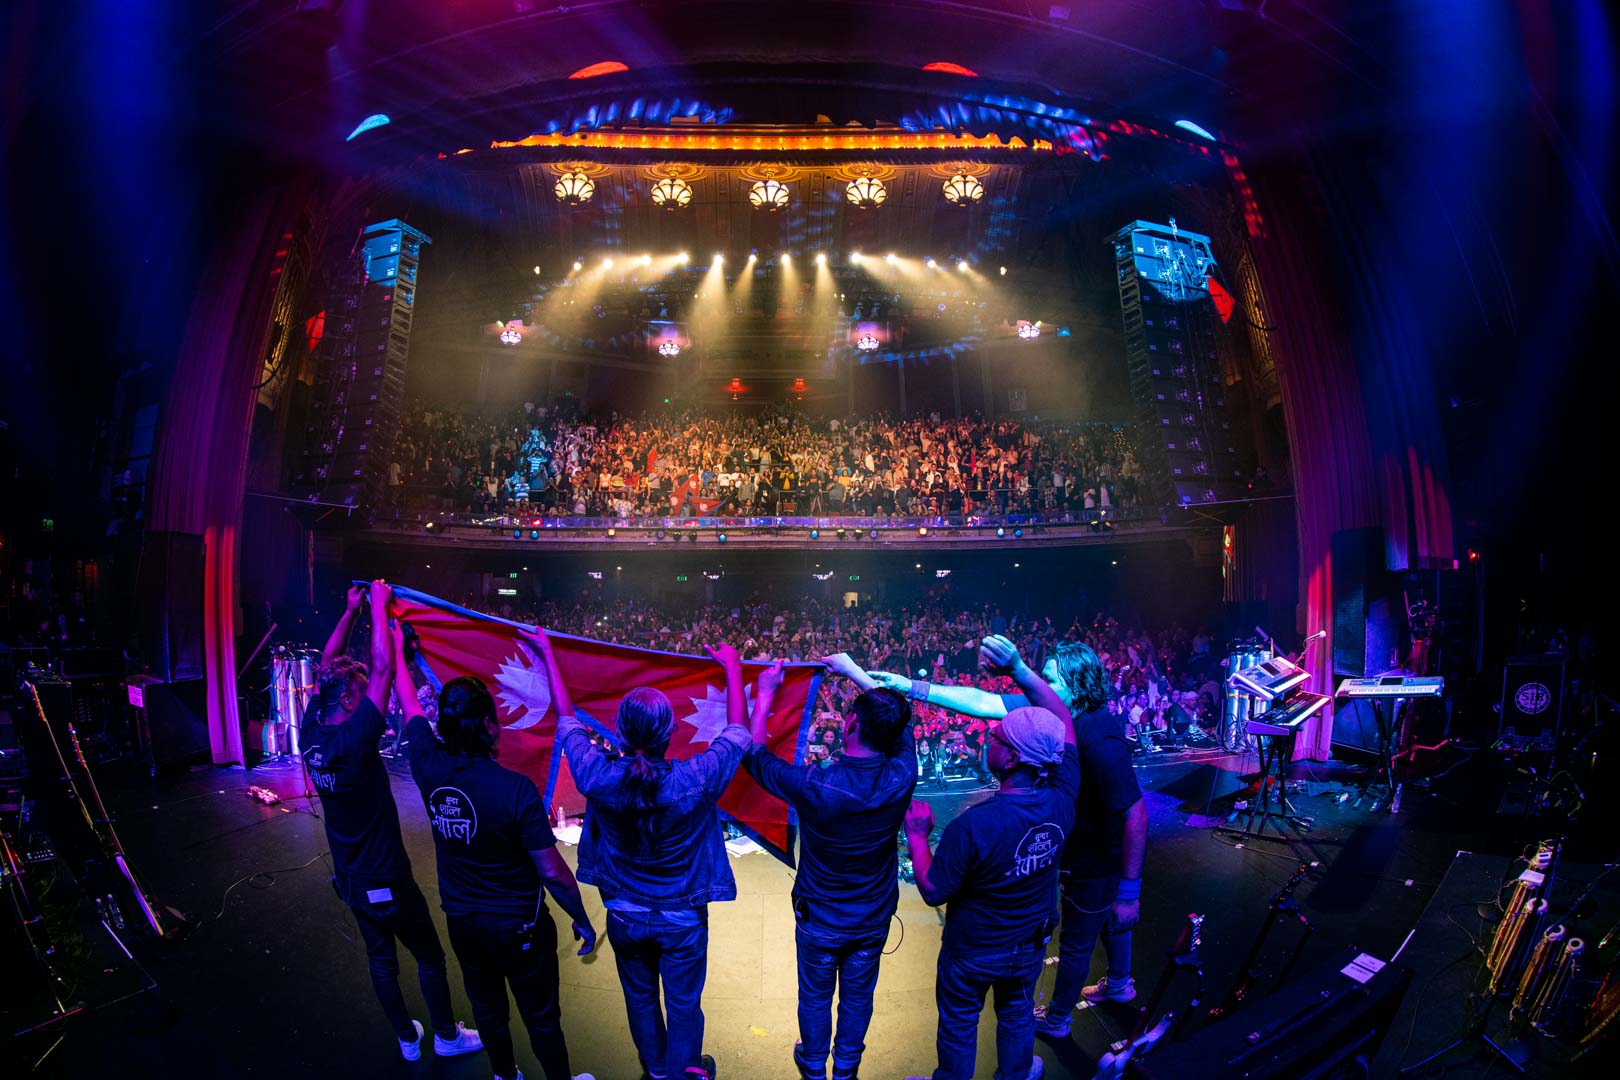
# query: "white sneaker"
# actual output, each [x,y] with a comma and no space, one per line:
[1048,1026]
[412,1051]
[1037,1069]
[519,1076]
[465,1042]
[1103,990]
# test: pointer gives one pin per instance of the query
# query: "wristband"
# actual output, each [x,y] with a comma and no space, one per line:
[919,690]
[1130,890]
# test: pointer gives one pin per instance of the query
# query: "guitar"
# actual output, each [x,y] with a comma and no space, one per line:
[1149,1032]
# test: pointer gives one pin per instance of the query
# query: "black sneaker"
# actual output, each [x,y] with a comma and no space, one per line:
[709,1071]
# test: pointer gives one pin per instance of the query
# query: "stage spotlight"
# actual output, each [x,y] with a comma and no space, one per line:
[646,260]
[683,258]
[662,534]
[613,532]
[815,534]
[578,265]
[922,530]
[821,258]
[607,264]
[1003,271]
[1018,534]
[534,534]
[1096,526]
[891,258]
[962,265]
[722,538]
[871,534]
[917,566]
[537,271]
[517,534]
[785,258]
[931,264]
[753,257]
[855,258]
[1000,532]
[840,534]
[428,526]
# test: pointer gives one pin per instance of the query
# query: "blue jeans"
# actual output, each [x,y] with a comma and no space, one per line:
[849,961]
[963,978]
[1088,909]
[649,950]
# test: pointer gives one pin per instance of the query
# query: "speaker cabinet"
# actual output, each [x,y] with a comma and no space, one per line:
[1366,605]
[170,589]
[177,719]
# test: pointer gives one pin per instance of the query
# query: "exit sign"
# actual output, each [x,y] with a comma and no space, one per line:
[680,577]
[854,577]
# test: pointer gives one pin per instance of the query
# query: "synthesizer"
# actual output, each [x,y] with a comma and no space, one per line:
[1394,686]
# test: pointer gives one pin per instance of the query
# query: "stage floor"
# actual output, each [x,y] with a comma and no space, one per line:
[272,980]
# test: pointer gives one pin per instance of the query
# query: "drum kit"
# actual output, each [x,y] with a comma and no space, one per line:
[1240,703]
[293,688]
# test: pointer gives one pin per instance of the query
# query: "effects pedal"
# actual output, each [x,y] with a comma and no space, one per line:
[264,795]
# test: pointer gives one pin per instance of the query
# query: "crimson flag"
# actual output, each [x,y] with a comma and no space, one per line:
[453,641]
[706,506]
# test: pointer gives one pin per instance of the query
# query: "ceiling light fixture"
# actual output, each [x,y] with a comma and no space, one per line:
[671,193]
[963,190]
[574,188]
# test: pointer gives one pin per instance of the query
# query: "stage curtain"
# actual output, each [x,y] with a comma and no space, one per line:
[201,459]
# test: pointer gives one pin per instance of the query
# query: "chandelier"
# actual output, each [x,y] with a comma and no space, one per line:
[1029,331]
[866,343]
[769,195]
[963,190]
[574,188]
[866,192]
[671,193]
[669,348]
[510,337]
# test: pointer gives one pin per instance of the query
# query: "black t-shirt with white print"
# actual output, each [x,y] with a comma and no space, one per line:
[485,821]
[997,864]
[357,804]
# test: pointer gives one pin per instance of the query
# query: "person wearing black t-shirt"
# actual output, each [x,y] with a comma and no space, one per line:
[997,869]
[1102,864]
[847,886]
[371,871]
[497,860]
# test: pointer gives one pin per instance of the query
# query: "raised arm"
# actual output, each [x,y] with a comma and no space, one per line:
[381,673]
[404,685]
[539,649]
[1000,657]
[967,700]
[338,643]
[841,664]
[770,681]
[736,696]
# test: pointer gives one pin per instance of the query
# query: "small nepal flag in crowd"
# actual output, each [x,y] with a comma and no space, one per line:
[452,642]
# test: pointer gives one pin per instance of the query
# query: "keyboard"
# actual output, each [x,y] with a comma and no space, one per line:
[1269,680]
[1286,718]
[1394,686]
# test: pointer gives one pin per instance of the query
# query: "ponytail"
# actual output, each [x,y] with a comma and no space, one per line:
[645,721]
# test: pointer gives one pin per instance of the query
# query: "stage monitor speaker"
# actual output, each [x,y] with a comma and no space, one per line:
[1532,702]
[177,718]
[1366,605]
[170,592]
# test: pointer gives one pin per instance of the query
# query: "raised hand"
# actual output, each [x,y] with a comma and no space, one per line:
[725,654]
[998,655]
[537,641]
[888,680]
[356,597]
[770,680]
[381,593]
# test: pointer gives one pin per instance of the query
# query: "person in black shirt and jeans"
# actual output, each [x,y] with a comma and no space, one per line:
[997,868]
[497,859]
[371,872]
[847,886]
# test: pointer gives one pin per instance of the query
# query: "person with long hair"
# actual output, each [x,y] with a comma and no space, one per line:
[370,869]
[652,844]
[848,884]
[497,861]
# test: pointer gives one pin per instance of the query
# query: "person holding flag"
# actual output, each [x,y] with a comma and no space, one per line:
[497,860]
[652,844]
[847,886]
[370,869]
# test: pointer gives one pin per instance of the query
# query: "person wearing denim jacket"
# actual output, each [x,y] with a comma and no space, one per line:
[847,887]
[652,844]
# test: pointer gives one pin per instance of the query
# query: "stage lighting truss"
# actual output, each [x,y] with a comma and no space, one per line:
[1029,331]
[574,188]
[866,192]
[866,343]
[671,193]
[770,195]
[669,348]
[511,337]
[963,190]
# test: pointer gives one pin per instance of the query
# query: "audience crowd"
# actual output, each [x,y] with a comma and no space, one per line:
[527,462]
[1165,684]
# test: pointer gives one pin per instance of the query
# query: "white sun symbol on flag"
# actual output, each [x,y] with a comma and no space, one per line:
[523,691]
[710,717]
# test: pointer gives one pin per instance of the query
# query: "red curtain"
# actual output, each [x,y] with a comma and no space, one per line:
[201,462]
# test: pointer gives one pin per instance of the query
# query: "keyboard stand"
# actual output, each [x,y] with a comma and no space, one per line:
[1386,755]
[1276,751]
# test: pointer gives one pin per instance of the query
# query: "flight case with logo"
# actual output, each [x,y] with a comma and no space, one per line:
[1532,702]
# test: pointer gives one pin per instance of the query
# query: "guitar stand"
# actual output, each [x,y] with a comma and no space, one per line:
[1275,753]
[1281,903]
[1478,1023]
